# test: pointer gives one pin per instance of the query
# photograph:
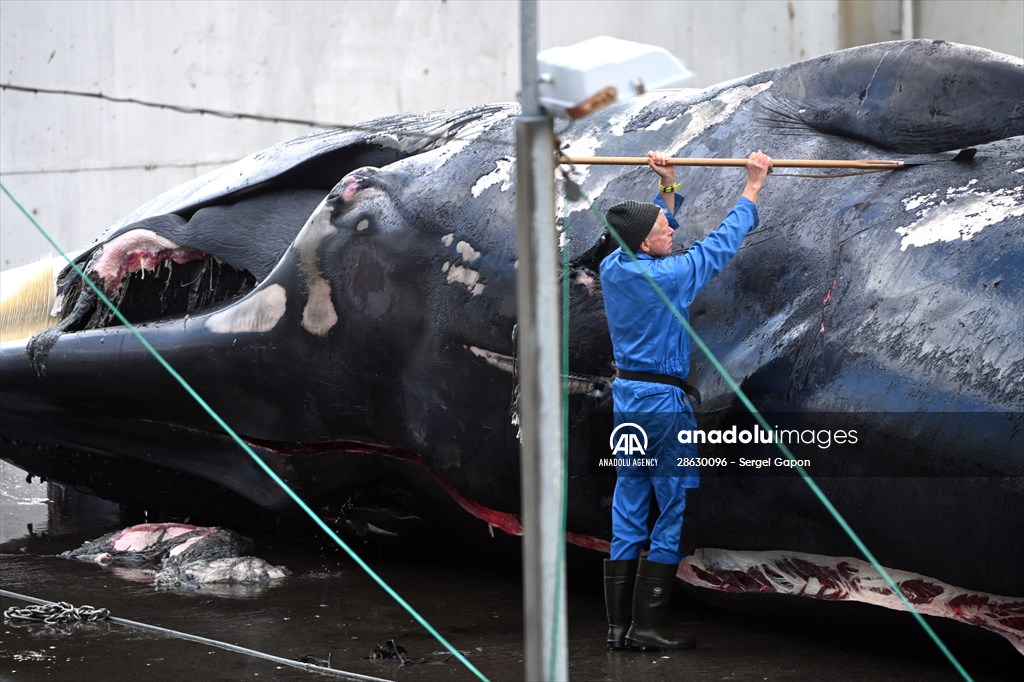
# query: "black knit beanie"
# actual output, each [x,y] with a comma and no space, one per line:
[633,220]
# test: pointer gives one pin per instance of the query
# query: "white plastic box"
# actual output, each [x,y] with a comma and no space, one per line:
[571,74]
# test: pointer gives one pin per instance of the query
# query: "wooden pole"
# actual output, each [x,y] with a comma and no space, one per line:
[776,163]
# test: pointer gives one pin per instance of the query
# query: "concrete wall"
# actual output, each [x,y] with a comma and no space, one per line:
[78,164]
[995,24]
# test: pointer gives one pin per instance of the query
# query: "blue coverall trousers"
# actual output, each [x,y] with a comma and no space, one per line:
[662,411]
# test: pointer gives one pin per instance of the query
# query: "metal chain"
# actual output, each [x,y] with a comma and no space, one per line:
[56,613]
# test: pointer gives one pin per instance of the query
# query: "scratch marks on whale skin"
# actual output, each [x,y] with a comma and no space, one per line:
[867,90]
[958,213]
[871,80]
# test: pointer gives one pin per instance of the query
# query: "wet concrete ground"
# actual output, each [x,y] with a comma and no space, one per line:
[329,607]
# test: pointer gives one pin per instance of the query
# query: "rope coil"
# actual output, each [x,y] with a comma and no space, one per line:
[310,664]
[56,613]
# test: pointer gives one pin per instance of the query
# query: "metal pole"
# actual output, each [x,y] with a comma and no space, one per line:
[539,342]
[907,20]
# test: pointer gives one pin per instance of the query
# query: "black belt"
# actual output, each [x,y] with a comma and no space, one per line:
[650,377]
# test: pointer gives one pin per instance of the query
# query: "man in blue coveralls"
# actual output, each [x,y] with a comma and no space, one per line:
[652,353]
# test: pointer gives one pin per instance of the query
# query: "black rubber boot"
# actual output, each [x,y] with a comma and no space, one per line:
[619,577]
[653,588]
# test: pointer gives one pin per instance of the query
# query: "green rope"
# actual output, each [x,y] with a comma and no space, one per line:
[242,444]
[782,446]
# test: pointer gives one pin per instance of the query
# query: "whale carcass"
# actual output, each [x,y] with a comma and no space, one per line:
[346,302]
[180,555]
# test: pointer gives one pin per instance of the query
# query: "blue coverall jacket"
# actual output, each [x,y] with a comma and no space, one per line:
[646,337]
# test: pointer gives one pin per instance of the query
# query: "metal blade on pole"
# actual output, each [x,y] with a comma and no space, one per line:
[540,385]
